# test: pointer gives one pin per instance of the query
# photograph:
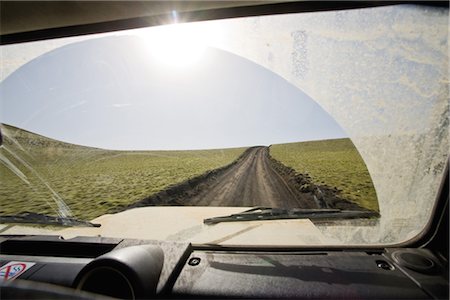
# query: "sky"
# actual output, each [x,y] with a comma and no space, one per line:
[131,93]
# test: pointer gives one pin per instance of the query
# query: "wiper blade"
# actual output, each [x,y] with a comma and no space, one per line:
[36,218]
[266,213]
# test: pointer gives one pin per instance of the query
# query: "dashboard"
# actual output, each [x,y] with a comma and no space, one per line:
[96,267]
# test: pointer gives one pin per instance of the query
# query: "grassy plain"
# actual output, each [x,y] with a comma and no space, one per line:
[335,163]
[91,181]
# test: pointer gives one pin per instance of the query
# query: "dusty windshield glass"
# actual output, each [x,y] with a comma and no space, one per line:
[337,114]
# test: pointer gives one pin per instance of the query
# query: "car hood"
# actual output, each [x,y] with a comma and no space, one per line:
[184,223]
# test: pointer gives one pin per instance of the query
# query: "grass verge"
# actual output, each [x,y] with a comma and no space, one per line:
[335,163]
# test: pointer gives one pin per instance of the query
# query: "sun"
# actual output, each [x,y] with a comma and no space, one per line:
[177,45]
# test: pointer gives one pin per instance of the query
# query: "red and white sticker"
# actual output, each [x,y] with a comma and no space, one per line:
[14,269]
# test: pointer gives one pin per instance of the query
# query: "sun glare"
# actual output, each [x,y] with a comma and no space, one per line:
[177,45]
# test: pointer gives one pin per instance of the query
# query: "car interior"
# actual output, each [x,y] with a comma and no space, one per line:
[102,267]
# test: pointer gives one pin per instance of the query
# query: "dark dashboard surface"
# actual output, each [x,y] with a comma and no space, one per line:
[156,269]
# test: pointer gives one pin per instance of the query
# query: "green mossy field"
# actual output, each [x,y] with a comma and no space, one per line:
[335,163]
[91,181]
[35,170]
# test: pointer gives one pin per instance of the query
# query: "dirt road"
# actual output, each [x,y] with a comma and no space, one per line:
[250,182]
[254,179]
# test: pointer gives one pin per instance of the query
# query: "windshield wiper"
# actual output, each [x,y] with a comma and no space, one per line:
[266,213]
[36,218]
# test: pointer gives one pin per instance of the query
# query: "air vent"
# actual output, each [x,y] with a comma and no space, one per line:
[127,273]
[418,262]
[107,281]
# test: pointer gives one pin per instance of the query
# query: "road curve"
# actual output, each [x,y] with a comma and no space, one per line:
[250,182]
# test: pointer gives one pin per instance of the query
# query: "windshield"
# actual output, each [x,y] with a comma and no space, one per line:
[338,120]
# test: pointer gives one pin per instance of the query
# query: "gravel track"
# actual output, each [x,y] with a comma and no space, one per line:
[254,179]
[250,182]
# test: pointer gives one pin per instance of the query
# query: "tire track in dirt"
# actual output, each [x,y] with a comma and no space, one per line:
[251,182]
[254,179]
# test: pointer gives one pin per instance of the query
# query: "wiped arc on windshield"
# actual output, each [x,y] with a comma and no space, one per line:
[257,108]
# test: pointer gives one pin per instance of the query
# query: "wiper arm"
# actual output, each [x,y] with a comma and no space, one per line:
[265,213]
[36,218]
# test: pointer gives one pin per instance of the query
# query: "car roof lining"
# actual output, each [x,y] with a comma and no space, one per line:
[25,21]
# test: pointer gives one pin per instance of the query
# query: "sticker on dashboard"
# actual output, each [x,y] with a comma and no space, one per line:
[14,269]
